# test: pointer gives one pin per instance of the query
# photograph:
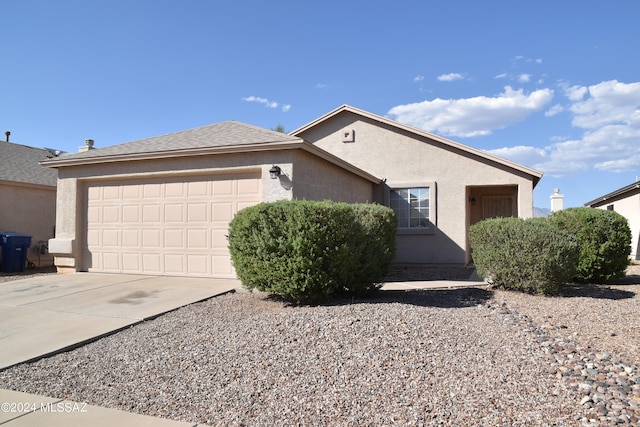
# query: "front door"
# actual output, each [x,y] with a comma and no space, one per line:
[484,202]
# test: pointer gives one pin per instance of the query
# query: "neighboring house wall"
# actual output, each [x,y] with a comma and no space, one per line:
[29,209]
[406,160]
[28,197]
[626,202]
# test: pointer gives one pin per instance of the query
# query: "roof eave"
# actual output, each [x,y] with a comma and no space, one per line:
[619,192]
[155,155]
[232,149]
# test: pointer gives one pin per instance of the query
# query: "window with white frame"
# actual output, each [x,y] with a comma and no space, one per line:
[411,206]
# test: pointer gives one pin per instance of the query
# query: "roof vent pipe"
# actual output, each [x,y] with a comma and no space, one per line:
[88,145]
[6,134]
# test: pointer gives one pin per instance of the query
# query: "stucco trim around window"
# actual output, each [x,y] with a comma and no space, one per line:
[431,207]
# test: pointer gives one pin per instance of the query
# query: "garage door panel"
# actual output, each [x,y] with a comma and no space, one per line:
[111,262]
[174,239]
[93,215]
[174,264]
[219,239]
[152,190]
[198,212]
[222,212]
[151,263]
[131,192]
[151,238]
[197,264]
[151,213]
[198,188]
[131,262]
[174,212]
[111,193]
[175,226]
[93,238]
[131,239]
[130,214]
[110,214]
[223,188]
[111,238]
[248,187]
[197,239]
[174,189]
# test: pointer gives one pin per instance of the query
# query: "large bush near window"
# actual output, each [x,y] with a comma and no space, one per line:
[309,252]
[529,255]
[604,238]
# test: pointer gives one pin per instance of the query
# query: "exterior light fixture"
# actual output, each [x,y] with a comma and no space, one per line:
[472,200]
[274,172]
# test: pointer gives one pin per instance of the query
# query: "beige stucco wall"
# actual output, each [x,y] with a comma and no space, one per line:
[404,160]
[317,179]
[629,207]
[304,180]
[29,209]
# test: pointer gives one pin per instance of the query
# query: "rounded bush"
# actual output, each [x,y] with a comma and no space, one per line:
[309,251]
[604,238]
[528,255]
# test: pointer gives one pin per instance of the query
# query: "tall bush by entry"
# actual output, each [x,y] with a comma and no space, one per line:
[604,238]
[310,251]
[529,255]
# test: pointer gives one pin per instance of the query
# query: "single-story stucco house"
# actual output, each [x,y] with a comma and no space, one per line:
[625,201]
[28,197]
[162,205]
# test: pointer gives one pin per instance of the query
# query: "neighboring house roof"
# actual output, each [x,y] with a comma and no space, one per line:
[620,193]
[535,174]
[20,163]
[219,138]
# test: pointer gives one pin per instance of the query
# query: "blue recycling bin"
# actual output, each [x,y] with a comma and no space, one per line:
[14,251]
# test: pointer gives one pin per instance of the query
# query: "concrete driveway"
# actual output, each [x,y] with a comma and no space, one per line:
[46,314]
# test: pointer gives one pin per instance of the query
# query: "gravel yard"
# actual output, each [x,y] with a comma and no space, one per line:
[425,357]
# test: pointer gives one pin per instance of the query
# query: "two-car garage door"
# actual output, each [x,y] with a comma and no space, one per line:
[170,226]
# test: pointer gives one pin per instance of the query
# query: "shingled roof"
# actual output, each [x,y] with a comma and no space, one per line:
[218,135]
[19,163]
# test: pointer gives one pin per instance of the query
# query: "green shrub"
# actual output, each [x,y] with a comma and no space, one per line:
[604,238]
[528,255]
[309,252]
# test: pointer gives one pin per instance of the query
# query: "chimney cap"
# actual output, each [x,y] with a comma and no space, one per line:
[6,134]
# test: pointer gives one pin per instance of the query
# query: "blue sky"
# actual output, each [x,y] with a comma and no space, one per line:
[554,85]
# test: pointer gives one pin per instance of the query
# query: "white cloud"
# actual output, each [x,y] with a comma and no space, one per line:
[450,77]
[575,93]
[418,78]
[521,154]
[267,103]
[606,117]
[524,78]
[469,117]
[555,109]
[322,86]
[501,76]
[609,102]
[620,165]
[608,113]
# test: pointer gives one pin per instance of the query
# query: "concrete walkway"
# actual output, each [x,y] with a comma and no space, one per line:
[473,281]
[45,315]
